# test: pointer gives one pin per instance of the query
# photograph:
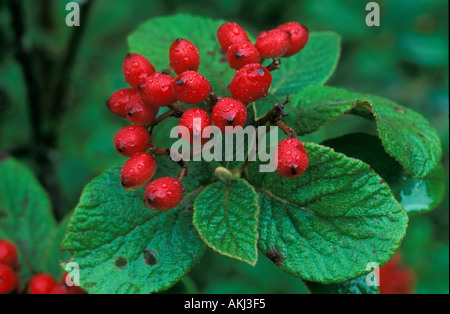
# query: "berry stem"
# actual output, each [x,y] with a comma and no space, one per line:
[286,129]
[212,99]
[170,113]
[275,114]
[177,106]
[275,65]
[183,171]
[158,151]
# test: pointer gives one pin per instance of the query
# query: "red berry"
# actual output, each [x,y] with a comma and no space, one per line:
[242,53]
[156,90]
[191,87]
[396,278]
[273,43]
[292,158]
[72,289]
[60,289]
[136,69]
[139,113]
[230,33]
[195,120]
[299,37]
[229,112]
[8,279]
[42,284]
[8,253]
[183,56]
[250,83]
[119,100]
[164,193]
[132,140]
[137,171]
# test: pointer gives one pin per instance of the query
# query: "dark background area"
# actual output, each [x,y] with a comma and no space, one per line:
[69,140]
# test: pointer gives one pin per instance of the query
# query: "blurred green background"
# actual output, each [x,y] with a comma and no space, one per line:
[405,59]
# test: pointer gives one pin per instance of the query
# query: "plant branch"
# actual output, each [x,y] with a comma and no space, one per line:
[275,65]
[25,58]
[63,79]
[275,114]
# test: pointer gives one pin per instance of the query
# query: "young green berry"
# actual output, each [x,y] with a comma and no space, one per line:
[242,53]
[8,253]
[292,158]
[119,100]
[8,279]
[132,140]
[41,284]
[299,37]
[156,90]
[136,68]
[250,83]
[191,87]
[183,56]
[137,171]
[139,113]
[230,33]
[194,121]
[229,112]
[164,193]
[273,43]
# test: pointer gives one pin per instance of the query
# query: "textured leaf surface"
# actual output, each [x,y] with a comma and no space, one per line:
[405,134]
[154,38]
[355,286]
[25,214]
[311,66]
[416,195]
[54,255]
[326,225]
[226,217]
[124,247]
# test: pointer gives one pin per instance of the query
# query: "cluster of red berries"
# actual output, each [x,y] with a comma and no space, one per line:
[46,284]
[151,90]
[39,284]
[9,279]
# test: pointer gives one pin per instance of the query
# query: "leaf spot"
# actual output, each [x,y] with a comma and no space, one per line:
[150,257]
[120,262]
[275,257]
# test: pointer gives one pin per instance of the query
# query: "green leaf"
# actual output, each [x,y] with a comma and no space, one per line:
[416,195]
[264,105]
[25,215]
[123,246]
[328,224]
[154,38]
[406,135]
[312,66]
[54,255]
[199,172]
[226,217]
[355,286]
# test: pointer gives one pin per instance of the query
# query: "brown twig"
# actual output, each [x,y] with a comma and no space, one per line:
[177,106]
[275,65]
[287,130]
[183,171]
[275,114]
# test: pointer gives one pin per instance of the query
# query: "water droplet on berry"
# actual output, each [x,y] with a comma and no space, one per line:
[235,30]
